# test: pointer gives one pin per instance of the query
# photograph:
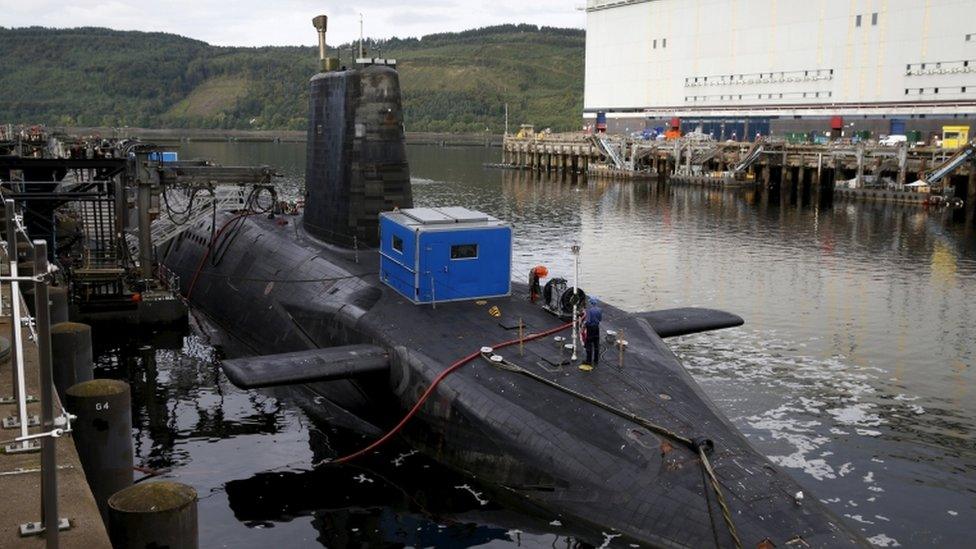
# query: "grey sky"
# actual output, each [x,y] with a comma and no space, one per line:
[287,22]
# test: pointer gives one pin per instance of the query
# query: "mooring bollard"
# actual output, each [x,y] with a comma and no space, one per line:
[25,268]
[102,435]
[154,514]
[71,344]
[58,297]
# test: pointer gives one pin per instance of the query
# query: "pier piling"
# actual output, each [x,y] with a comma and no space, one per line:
[103,433]
[59,304]
[154,514]
[71,345]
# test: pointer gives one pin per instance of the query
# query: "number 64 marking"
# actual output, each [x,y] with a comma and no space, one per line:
[99,406]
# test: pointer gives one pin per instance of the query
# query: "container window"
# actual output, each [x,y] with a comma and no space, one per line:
[464,251]
[398,243]
[874,19]
[857,21]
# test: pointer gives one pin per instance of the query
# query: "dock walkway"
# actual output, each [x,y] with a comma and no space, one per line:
[20,476]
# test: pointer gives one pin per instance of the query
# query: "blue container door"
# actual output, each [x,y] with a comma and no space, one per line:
[435,272]
[897,127]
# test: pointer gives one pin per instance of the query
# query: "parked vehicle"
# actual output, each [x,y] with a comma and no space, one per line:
[893,140]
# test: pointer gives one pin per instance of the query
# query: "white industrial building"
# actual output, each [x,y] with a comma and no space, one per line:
[786,65]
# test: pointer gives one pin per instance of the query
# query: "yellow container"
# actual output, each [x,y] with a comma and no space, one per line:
[954,137]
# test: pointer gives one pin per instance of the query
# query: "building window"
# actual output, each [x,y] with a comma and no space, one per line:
[857,21]
[397,244]
[464,251]
[969,38]
[664,42]
[655,43]
[874,19]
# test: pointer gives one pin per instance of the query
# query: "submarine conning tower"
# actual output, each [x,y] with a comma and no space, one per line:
[356,165]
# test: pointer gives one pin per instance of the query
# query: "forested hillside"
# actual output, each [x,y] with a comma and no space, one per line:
[453,82]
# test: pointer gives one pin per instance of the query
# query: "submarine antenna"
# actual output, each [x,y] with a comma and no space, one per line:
[576,250]
[320,23]
[361,36]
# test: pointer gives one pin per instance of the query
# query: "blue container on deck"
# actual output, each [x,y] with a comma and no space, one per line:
[445,254]
[164,156]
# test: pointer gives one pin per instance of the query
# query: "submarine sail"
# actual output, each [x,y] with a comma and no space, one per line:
[356,163]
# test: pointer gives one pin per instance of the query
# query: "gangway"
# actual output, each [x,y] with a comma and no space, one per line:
[949,165]
[750,158]
[187,207]
[610,151]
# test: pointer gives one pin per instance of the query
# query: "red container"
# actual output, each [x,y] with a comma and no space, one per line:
[675,122]
[836,122]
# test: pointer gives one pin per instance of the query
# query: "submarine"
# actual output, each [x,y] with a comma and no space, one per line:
[398,321]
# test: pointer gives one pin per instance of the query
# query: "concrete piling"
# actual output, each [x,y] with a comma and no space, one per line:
[103,433]
[154,514]
[58,297]
[72,351]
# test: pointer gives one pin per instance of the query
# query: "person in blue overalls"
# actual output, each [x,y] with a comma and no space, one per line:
[591,335]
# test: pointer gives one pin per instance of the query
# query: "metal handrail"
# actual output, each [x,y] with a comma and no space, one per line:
[51,428]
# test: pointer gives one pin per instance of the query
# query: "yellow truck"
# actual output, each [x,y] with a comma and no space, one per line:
[954,137]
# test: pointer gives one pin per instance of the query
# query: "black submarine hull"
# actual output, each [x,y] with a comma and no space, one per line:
[279,289]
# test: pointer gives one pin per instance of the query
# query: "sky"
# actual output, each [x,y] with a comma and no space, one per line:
[288,22]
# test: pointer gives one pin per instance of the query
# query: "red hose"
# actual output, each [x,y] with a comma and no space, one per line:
[430,390]
[196,273]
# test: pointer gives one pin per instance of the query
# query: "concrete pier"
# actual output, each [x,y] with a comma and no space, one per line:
[790,171]
[20,477]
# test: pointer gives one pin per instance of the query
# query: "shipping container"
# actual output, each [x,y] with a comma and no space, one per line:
[431,255]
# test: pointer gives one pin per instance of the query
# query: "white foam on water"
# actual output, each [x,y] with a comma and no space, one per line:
[858,518]
[607,538]
[881,540]
[856,415]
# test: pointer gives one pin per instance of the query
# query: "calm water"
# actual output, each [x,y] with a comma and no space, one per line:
[854,371]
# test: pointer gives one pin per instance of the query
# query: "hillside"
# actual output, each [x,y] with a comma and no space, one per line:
[453,82]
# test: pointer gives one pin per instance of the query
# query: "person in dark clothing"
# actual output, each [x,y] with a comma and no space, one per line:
[591,335]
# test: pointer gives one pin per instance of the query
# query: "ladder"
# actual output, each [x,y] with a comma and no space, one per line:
[97,225]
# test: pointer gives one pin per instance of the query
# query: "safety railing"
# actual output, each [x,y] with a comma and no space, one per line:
[39,329]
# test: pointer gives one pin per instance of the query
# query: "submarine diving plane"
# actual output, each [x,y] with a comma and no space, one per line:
[404,321]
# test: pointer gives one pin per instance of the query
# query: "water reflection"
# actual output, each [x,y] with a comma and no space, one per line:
[249,456]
